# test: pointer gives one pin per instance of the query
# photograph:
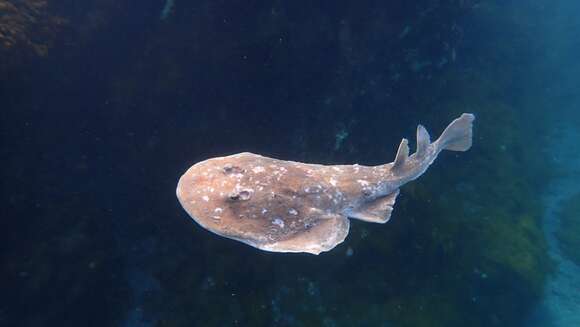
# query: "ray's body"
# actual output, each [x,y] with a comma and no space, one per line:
[287,206]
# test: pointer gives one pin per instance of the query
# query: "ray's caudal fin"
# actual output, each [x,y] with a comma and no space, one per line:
[457,136]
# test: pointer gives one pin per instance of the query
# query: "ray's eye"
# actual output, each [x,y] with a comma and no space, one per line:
[228,168]
[231,169]
[240,195]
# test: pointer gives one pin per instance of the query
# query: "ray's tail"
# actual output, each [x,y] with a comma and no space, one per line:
[456,137]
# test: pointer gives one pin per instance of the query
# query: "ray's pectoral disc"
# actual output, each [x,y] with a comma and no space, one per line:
[270,204]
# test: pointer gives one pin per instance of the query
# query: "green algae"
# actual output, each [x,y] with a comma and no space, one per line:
[516,244]
[424,310]
[568,232]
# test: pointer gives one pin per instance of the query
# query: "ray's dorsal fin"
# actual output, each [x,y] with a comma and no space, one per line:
[402,154]
[376,211]
[423,140]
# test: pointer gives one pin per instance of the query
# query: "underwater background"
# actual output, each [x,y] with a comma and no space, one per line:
[105,103]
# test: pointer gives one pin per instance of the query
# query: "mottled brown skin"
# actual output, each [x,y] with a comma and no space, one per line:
[269,200]
[286,206]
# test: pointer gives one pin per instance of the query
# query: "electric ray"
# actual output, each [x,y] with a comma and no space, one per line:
[286,206]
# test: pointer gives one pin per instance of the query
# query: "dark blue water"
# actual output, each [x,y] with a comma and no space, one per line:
[105,104]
